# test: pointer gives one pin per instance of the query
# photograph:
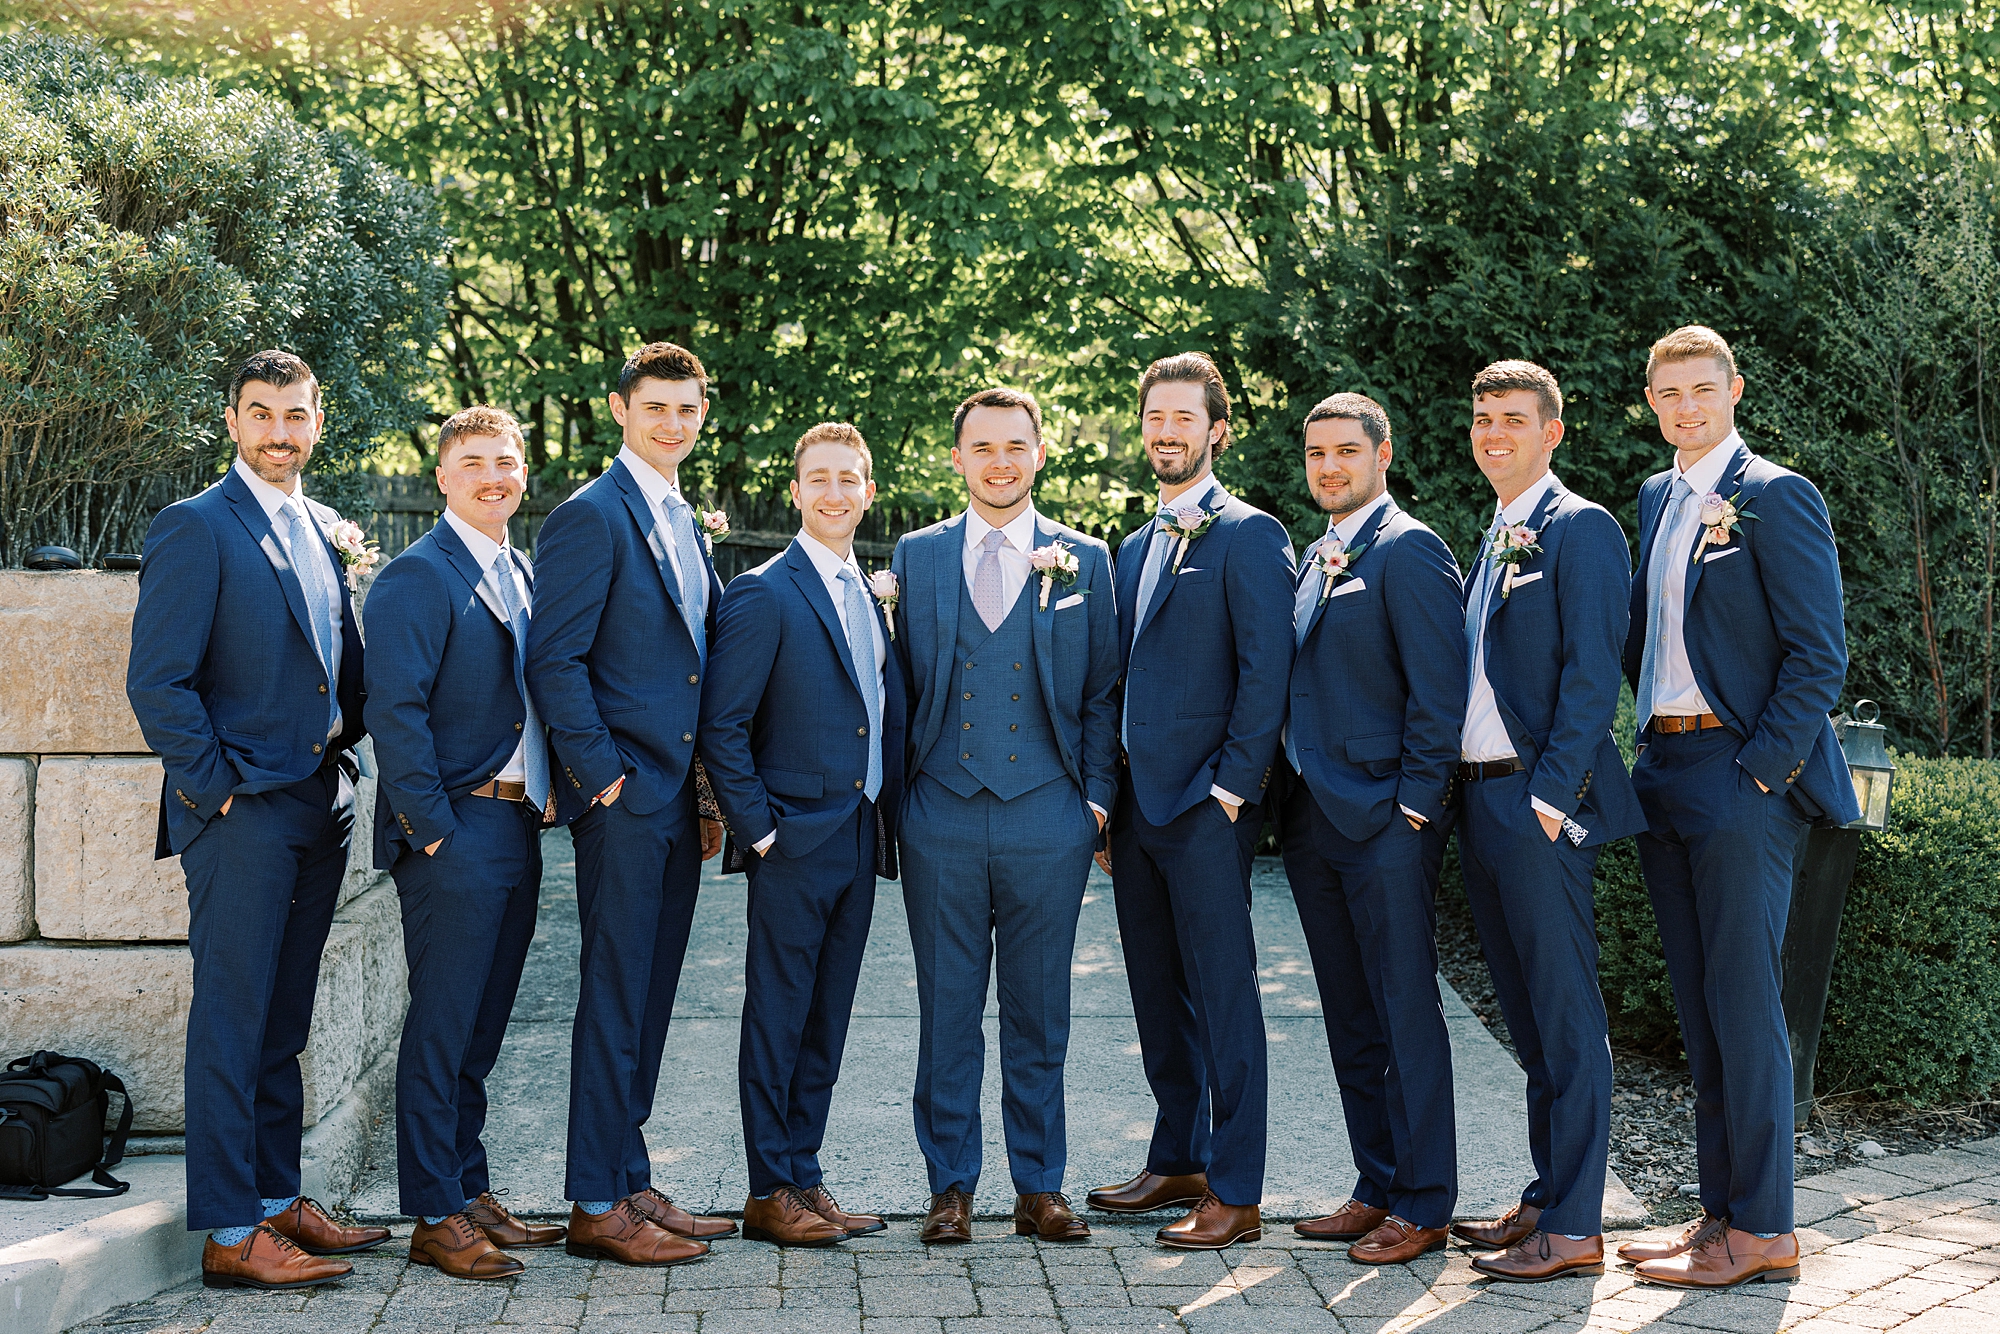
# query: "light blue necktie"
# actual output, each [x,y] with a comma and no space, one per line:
[694,588]
[534,747]
[1310,582]
[861,648]
[1665,549]
[310,565]
[1482,593]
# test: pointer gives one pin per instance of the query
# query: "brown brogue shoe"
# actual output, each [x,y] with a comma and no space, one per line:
[1351,1222]
[267,1259]
[820,1200]
[1211,1225]
[625,1236]
[1691,1236]
[1149,1193]
[1727,1256]
[662,1210]
[949,1220]
[1396,1242]
[459,1248]
[1503,1231]
[503,1229]
[1541,1256]
[1047,1215]
[306,1225]
[787,1218]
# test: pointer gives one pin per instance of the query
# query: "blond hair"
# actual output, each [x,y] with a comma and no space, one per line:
[1687,343]
[480,419]
[835,433]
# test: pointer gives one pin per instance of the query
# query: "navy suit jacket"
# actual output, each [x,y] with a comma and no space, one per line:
[1378,686]
[1552,658]
[1206,674]
[224,678]
[443,705]
[610,662]
[784,726]
[1076,647]
[1762,624]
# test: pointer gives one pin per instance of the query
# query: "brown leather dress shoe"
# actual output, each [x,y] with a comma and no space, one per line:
[625,1236]
[788,1219]
[1048,1216]
[1503,1231]
[1396,1242]
[503,1229]
[950,1219]
[459,1248]
[1727,1256]
[266,1259]
[1541,1256]
[1691,1236]
[820,1200]
[1351,1222]
[680,1222]
[1148,1193]
[306,1225]
[1212,1225]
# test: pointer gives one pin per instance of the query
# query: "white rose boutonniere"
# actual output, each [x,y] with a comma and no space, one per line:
[882,583]
[359,552]
[1057,564]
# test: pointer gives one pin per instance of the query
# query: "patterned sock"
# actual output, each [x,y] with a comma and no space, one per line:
[231,1236]
[596,1208]
[1764,1236]
[471,1201]
[272,1208]
[432,1220]
[1573,1238]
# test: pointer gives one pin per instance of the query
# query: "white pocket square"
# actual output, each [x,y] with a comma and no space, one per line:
[1351,586]
[1073,600]
[1718,555]
[1520,579]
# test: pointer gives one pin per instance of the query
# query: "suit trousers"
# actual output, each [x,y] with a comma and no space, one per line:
[1532,904]
[994,887]
[263,882]
[1183,895]
[636,880]
[809,920]
[1718,863]
[1369,912]
[468,919]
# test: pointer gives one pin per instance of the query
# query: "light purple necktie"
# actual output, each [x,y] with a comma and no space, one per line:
[988,598]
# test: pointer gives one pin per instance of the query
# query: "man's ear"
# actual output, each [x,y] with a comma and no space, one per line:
[617,401]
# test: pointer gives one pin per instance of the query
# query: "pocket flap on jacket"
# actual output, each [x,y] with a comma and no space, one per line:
[791,783]
[1376,746]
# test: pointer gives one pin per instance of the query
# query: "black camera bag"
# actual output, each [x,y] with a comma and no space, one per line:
[52,1110]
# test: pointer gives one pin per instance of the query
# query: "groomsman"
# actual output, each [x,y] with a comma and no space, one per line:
[1542,787]
[1205,606]
[802,736]
[1012,660]
[625,606]
[463,792]
[1371,747]
[1736,653]
[245,676]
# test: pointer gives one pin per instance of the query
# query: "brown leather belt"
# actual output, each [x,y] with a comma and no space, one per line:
[1670,723]
[501,789]
[1472,772]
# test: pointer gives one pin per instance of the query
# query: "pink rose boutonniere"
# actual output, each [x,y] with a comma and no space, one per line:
[359,552]
[1187,524]
[882,583]
[1333,561]
[714,527]
[1718,518]
[1057,564]
[1512,545]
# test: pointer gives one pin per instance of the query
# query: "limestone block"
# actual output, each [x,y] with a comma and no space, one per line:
[361,873]
[17,861]
[65,637]
[123,1006]
[95,877]
[385,973]
[358,1010]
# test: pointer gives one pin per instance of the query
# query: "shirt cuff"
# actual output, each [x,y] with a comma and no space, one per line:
[1224,795]
[1418,816]
[1546,809]
[1099,809]
[763,845]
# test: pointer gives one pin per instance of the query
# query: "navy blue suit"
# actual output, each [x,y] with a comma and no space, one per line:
[230,691]
[785,739]
[613,669]
[446,713]
[1552,652]
[1761,622]
[1377,699]
[1014,731]
[1206,672]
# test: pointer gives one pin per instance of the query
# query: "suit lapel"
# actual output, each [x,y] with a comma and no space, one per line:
[259,524]
[1537,520]
[1212,503]
[1365,537]
[1730,483]
[940,554]
[1043,626]
[481,581]
[642,514]
[805,575]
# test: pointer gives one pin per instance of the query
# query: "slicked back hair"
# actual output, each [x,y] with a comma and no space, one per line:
[1353,407]
[1504,377]
[1191,368]
[661,361]
[479,420]
[997,398]
[275,367]
[834,433]
[1688,343]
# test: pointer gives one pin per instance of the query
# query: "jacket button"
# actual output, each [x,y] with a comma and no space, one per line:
[694,678]
[965,727]
[968,694]
[857,782]
[968,666]
[687,736]
[1013,727]
[322,687]
[1010,759]
[315,747]
[966,756]
[517,727]
[861,731]
[1017,666]
[1017,699]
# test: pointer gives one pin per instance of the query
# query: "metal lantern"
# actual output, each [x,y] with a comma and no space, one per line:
[1861,741]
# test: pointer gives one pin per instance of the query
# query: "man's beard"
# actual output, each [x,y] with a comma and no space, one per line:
[1347,503]
[1190,468]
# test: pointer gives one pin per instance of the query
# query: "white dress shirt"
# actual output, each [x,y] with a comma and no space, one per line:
[277,508]
[1485,737]
[1187,499]
[1014,567]
[484,552]
[659,493]
[1674,688]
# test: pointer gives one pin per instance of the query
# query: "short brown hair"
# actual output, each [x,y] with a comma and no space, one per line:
[997,398]
[1191,368]
[274,367]
[1504,377]
[1688,343]
[835,433]
[1353,407]
[661,361]
[478,420]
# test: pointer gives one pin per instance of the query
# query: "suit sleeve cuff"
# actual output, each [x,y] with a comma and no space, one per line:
[1099,809]
[763,845]
[1543,808]
[1418,816]
[1224,795]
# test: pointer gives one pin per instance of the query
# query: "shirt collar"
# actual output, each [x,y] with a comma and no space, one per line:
[483,548]
[270,497]
[1525,503]
[1346,528]
[1194,495]
[824,558]
[652,485]
[1020,529]
[1707,472]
